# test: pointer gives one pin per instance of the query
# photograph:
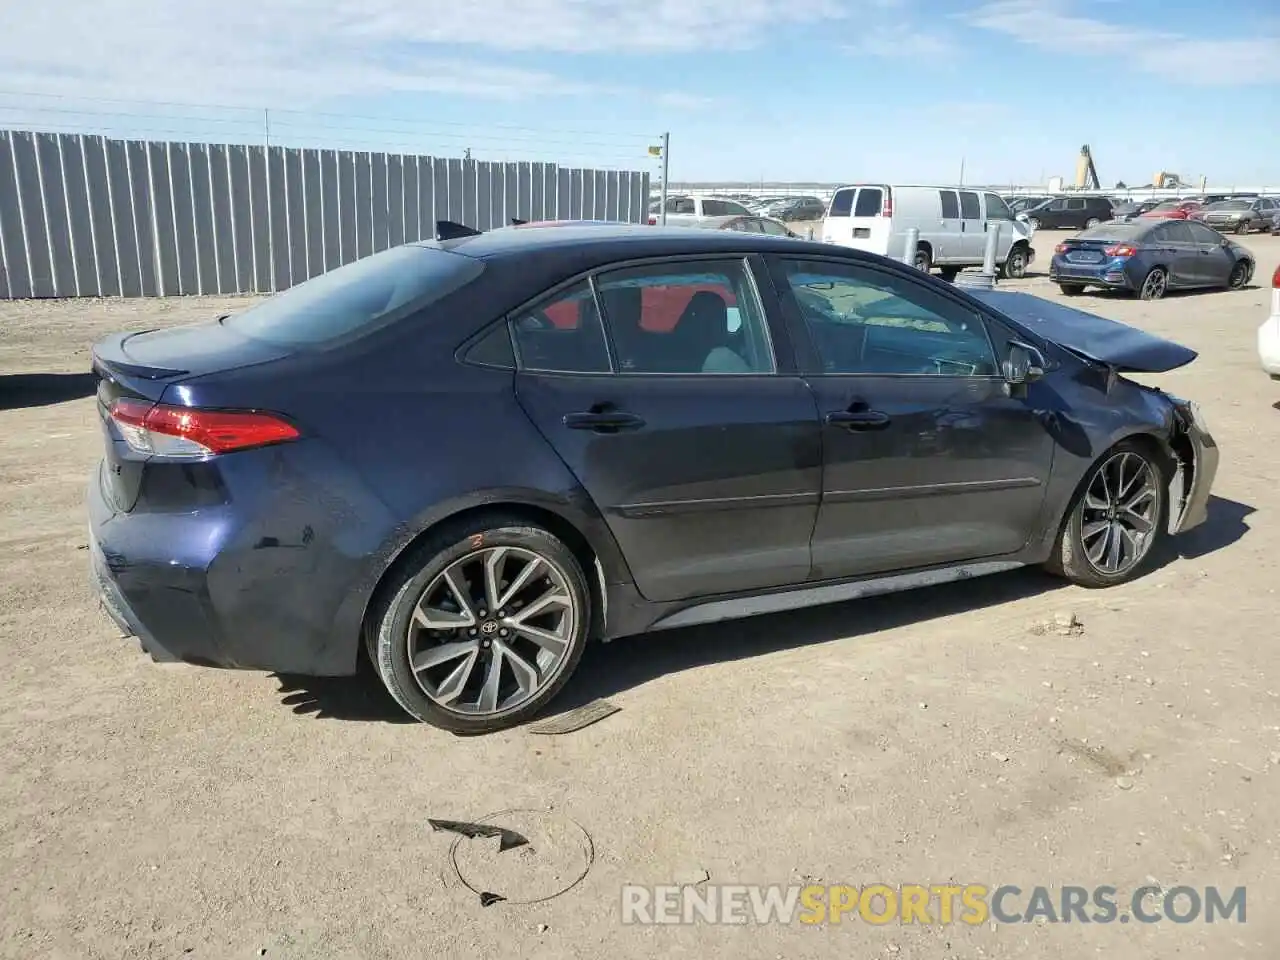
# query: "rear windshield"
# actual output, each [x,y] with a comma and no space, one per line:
[357,298]
[869,201]
[842,203]
[1114,231]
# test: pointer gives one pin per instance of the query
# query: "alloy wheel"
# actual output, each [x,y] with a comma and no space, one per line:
[1239,275]
[1119,514]
[491,630]
[1015,267]
[1154,286]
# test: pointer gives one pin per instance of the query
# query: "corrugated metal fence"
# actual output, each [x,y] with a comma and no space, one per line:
[85,216]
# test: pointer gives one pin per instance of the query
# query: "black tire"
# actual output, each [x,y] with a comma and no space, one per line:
[1033,223]
[1091,222]
[1242,226]
[1015,265]
[1071,289]
[949,274]
[387,632]
[1155,285]
[1239,275]
[924,260]
[1070,557]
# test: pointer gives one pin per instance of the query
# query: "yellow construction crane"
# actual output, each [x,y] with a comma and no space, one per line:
[1086,172]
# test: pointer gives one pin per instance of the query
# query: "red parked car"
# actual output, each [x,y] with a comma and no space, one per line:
[1173,210]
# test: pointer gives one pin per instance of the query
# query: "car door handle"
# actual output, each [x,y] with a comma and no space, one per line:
[858,419]
[603,421]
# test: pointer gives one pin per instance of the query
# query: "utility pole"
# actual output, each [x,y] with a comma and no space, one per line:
[962,171]
[666,168]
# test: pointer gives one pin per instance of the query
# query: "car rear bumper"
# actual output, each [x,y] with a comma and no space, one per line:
[1107,274]
[205,587]
[1269,344]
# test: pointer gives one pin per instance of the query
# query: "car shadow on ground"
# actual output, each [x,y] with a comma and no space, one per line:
[21,390]
[1224,526]
[608,669]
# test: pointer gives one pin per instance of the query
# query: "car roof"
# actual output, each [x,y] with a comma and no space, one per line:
[616,242]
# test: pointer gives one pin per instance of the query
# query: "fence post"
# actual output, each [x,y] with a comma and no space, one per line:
[666,168]
[912,244]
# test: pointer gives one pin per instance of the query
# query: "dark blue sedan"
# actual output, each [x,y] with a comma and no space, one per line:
[1150,258]
[464,459]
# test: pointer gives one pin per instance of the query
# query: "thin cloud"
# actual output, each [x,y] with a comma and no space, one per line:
[300,51]
[902,43]
[1053,27]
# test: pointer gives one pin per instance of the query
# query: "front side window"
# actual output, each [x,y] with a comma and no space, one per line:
[690,317]
[997,209]
[863,321]
[563,334]
[681,205]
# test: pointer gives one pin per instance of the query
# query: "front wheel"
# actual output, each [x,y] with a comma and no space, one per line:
[1116,521]
[1015,265]
[1239,275]
[483,627]
[1156,284]
[1242,226]
[1033,223]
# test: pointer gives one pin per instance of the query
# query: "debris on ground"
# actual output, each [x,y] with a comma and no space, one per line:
[507,839]
[575,719]
[691,878]
[1124,783]
[1064,623]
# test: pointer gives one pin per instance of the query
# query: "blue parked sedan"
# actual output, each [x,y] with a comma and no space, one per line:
[1150,257]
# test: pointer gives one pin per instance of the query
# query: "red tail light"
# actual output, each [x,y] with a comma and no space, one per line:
[886,208]
[1060,248]
[186,433]
[1275,279]
[653,221]
[1120,250]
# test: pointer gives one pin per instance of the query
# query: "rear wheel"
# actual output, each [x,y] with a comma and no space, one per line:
[1155,285]
[483,626]
[1116,521]
[1091,222]
[923,260]
[1239,275]
[1071,289]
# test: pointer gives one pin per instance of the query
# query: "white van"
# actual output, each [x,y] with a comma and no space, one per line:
[953,224]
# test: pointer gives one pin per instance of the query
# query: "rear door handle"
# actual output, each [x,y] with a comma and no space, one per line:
[859,419]
[603,421]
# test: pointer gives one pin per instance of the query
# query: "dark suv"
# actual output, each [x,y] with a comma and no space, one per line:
[1068,213]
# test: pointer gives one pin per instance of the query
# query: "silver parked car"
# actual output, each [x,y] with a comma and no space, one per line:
[1244,215]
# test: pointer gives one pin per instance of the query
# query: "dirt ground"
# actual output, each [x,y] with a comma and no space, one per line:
[934,737]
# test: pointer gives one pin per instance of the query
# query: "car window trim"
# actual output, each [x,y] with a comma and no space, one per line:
[742,260]
[811,364]
[546,297]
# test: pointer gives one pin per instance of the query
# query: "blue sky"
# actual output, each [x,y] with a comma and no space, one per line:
[773,89]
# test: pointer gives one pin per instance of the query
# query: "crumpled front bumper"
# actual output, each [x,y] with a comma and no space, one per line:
[1193,483]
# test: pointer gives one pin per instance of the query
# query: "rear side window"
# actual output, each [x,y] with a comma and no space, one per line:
[970,208]
[1179,232]
[950,205]
[563,334]
[869,202]
[842,203]
[357,299]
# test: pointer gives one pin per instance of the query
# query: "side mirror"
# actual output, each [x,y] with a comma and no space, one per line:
[1023,365]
